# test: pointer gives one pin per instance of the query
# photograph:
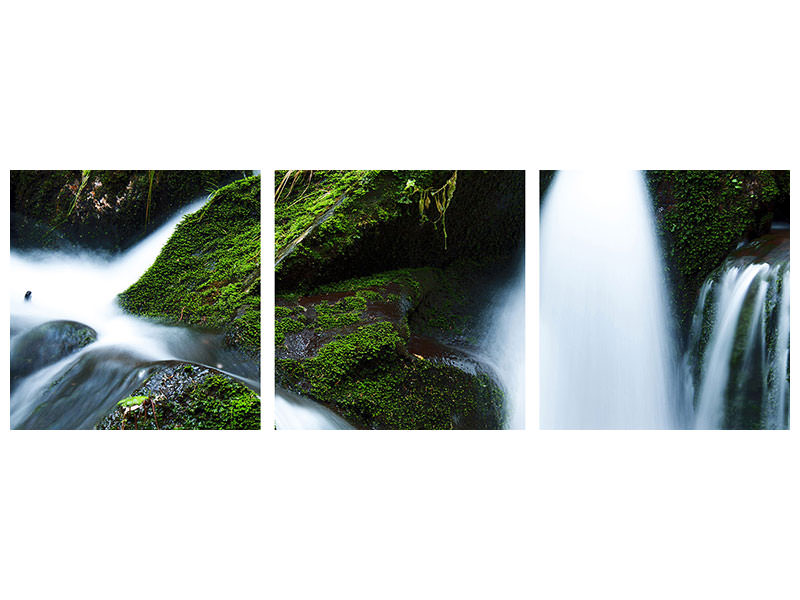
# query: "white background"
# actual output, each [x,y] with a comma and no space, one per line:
[467,85]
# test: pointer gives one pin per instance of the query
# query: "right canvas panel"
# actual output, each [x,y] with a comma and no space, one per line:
[664,299]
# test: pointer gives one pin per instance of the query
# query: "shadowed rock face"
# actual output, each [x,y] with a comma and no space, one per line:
[46,344]
[107,210]
[374,225]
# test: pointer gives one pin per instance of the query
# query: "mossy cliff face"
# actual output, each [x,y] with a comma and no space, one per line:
[209,272]
[186,396]
[100,209]
[350,347]
[702,216]
[335,225]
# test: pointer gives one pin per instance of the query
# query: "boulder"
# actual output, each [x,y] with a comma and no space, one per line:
[186,396]
[350,346]
[208,274]
[46,344]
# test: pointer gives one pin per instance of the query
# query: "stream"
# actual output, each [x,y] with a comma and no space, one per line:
[53,387]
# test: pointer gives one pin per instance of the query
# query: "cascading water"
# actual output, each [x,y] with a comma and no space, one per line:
[293,411]
[606,351]
[503,346]
[70,291]
[738,353]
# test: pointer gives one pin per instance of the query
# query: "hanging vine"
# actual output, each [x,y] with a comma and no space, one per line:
[440,198]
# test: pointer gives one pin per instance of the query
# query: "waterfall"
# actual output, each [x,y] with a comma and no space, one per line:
[293,411]
[606,351]
[738,351]
[502,348]
[71,291]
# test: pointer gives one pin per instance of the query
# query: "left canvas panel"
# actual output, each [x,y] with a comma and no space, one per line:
[135,299]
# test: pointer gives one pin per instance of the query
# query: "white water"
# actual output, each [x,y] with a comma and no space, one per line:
[606,352]
[748,307]
[83,287]
[296,412]
[503,346]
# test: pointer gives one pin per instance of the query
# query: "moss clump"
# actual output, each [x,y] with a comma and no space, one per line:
[209,272]
[287,325]
[346,311]
[365,377]
[187,397]
[702,216]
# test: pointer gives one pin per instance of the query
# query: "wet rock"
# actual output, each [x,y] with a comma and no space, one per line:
[82,391]
[47,343]
[349,347]
[186,396]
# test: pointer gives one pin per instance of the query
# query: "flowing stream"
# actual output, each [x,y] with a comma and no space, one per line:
[607,358]
[73,290]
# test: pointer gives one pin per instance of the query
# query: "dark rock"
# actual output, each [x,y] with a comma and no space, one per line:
[349,346]
[186,396]
[107,210]
[47,343]
[83,391]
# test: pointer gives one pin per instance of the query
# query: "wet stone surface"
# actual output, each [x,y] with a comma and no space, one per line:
[46,344]
[186,396]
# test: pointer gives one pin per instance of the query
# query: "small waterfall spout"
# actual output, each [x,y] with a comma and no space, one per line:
[293,411]
[738,353]
[606,351]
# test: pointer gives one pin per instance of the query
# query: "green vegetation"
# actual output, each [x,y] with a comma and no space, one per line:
[209,272]
[346,311]
[100,209]
[441,199]
[364,377]
[702,216]
[210,401]
[366,287]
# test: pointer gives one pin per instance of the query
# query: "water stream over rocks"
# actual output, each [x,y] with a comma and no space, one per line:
[74,353]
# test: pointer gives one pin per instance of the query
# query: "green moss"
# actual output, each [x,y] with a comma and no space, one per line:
[414,281]
[346,311]
[363,197]
[217,402]
[209,272]
[364,377]
[220,403]
[373,296]
[286,325]
[702,216]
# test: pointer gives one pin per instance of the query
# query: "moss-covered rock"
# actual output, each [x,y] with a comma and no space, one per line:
[335,225]
[186,396]
[100,209]
[349,346]
[701,217]
[209,272]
